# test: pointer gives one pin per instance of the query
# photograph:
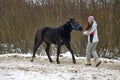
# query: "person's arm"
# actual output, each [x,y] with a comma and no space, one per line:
[91,31]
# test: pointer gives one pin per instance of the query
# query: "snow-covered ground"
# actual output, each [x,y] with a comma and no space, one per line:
[18,67]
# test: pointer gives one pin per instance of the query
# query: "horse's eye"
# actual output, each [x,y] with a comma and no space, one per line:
[75,23]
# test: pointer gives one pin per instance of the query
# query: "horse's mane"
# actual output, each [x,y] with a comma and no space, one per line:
[64,25]
[61,26]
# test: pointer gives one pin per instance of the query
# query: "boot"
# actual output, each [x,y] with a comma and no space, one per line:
[97,62]
[88,63]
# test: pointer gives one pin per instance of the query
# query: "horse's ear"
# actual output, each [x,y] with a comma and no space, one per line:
[71,19]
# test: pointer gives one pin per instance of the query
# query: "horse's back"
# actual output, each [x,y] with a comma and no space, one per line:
[50,34]
[43,28]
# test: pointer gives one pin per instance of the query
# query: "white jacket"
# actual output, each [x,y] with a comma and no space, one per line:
[92,33]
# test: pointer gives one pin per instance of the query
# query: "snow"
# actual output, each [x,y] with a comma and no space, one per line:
[18,67]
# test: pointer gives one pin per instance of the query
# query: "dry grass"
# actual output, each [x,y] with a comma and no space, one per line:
[19,22]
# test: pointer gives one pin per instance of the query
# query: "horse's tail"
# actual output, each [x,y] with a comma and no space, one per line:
[38,34]
[38,40]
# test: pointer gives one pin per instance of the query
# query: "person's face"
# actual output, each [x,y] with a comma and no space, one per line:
[90,22]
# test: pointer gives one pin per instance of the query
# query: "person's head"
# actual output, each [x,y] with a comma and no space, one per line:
[90,19]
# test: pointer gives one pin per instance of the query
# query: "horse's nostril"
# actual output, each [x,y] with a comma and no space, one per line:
[80,28]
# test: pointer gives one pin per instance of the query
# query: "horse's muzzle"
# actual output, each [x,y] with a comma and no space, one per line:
[80,28]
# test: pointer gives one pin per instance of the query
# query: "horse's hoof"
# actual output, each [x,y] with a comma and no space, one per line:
[51,61]
[74,62]
[32,60]
[58,62]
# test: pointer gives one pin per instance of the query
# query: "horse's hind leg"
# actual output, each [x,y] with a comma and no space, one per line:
[34,51]
[47,52]
[36,45]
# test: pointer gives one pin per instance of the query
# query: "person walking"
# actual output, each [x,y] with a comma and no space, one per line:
[91,32]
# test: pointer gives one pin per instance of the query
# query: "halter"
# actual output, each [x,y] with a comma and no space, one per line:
[75,27]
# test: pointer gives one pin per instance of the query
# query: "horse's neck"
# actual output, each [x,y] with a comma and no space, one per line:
[67,28]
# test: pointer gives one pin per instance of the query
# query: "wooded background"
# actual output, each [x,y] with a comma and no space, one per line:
[19,20]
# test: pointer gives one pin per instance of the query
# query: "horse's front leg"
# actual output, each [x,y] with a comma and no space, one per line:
[47,52]
[58,53]
[70,49]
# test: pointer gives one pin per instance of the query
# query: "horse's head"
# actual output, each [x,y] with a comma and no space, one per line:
[75,24]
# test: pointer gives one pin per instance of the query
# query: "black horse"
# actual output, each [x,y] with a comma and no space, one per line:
[59,36]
